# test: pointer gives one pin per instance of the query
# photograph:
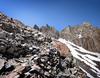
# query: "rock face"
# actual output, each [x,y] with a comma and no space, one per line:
[64,51]
[84,35]
[49,31]
[27,53]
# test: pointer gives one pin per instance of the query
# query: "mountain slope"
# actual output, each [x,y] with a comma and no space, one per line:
[84,35]
[88,61]
[28,53]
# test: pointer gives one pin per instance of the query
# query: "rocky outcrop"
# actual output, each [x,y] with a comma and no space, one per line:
[49,31]
[64,51]
[27,53]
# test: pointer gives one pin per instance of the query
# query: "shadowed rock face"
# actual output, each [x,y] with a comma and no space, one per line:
[28,53]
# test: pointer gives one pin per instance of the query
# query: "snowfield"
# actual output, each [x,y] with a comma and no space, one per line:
[89,59]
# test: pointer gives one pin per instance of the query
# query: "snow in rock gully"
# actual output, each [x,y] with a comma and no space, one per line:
[90,59]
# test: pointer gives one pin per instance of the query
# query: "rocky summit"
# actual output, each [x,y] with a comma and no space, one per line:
[27,52]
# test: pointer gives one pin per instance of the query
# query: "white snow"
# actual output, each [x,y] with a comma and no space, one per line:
[89,75]
[83,55]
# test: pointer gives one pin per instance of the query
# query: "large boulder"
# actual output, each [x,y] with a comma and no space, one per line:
[64,51]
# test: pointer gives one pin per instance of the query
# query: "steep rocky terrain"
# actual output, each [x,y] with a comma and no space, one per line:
[87,61]
[84,35]
[27,53]
[87,53]
[49,31]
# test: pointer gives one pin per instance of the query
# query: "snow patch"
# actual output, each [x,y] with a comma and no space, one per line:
[83,55]
[89,75]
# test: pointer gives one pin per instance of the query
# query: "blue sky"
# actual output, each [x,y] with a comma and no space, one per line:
[58,13]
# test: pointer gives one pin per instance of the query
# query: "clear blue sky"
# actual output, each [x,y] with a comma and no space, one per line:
[58,13]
